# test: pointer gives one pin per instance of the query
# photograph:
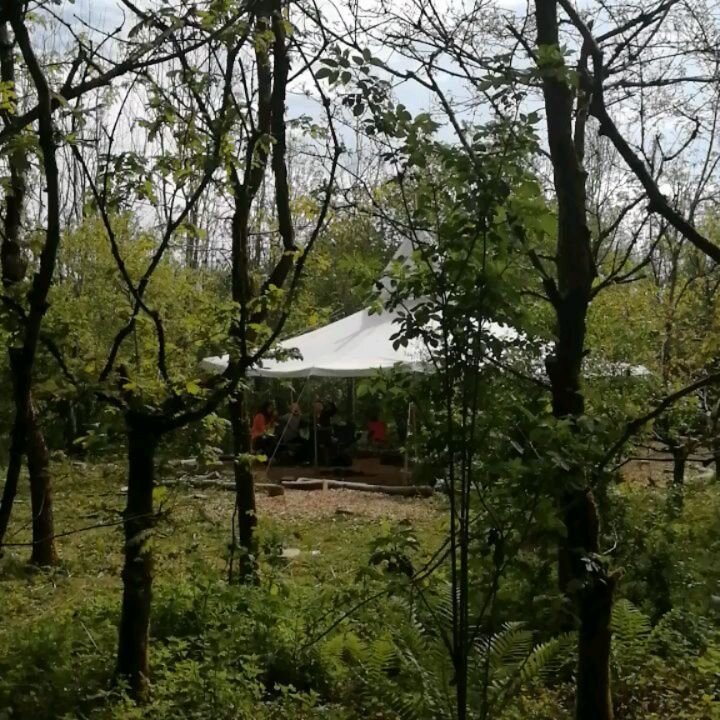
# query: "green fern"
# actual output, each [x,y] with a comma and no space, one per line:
[631,637]
[408,673]
[412,676]
[548,658]
[514,660]
[511,645]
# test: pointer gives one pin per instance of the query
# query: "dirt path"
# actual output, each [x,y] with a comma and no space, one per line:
[326,503]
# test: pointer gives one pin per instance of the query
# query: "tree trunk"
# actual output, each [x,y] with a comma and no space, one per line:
[582,575]
[18,437]
[13,263]
[12,476]
[44,551]
[137,575]
[593,698]
[585,580]
[245,509]
[680,455]
[716,458]
[676,491]
[70,429]
[27,438]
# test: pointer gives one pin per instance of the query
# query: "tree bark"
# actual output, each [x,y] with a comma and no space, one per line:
[17,450]
[676,491]
[680,455]
[14,267]
[137,574]
[581,573]
[245,508]
[44,551]
[593,697]
[22,359]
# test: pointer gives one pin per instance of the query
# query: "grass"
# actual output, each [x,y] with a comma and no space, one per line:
[81,596]
[238,653]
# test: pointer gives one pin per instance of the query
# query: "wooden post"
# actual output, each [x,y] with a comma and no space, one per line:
[315,437]
[408,431]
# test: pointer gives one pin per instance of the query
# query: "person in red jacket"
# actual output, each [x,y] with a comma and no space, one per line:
[377,431]
[262,432]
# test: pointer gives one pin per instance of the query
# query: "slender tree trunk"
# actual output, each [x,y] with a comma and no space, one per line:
[582,575]
[713,435]
[70,429]
[676,491]
[680,455]
[245,508]
[27,438]
[137,574]
[17,451]
[11,256]
[38,460]
[14,266]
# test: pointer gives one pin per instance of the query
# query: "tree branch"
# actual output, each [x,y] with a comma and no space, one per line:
[658,202]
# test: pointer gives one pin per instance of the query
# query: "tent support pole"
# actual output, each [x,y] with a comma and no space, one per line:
[410,435]
[407,440]
[353,390]
[315,437]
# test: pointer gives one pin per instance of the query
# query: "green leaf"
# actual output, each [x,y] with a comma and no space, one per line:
[159,492]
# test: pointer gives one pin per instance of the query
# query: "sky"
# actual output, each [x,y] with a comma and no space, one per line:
[107,14]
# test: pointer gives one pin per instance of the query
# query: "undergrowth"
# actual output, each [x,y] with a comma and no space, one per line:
[337,636]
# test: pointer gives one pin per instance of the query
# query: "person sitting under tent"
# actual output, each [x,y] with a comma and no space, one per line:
[328,411]
[377,431]
[326,442]
[334,437]
[292,423]
[262,432]
[294,440]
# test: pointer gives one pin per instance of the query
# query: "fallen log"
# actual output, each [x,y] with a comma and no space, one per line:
[272,489]
[324,484]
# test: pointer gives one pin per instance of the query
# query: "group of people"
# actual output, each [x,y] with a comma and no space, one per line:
[264,430]
[292,433]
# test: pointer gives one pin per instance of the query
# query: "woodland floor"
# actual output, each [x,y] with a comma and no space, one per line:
[58,627]
[329,527]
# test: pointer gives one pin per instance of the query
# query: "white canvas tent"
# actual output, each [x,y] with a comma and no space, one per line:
[360,345]
[355,346]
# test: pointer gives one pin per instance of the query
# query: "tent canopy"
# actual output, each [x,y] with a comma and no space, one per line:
[360,344]
[355,346]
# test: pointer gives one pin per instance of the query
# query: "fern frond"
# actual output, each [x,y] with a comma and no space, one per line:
[631,636]
[547,658]
[511,645]
[630,626]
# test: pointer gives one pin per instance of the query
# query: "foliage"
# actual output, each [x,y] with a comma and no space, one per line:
[665,569]
[462,614]
[261,651]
